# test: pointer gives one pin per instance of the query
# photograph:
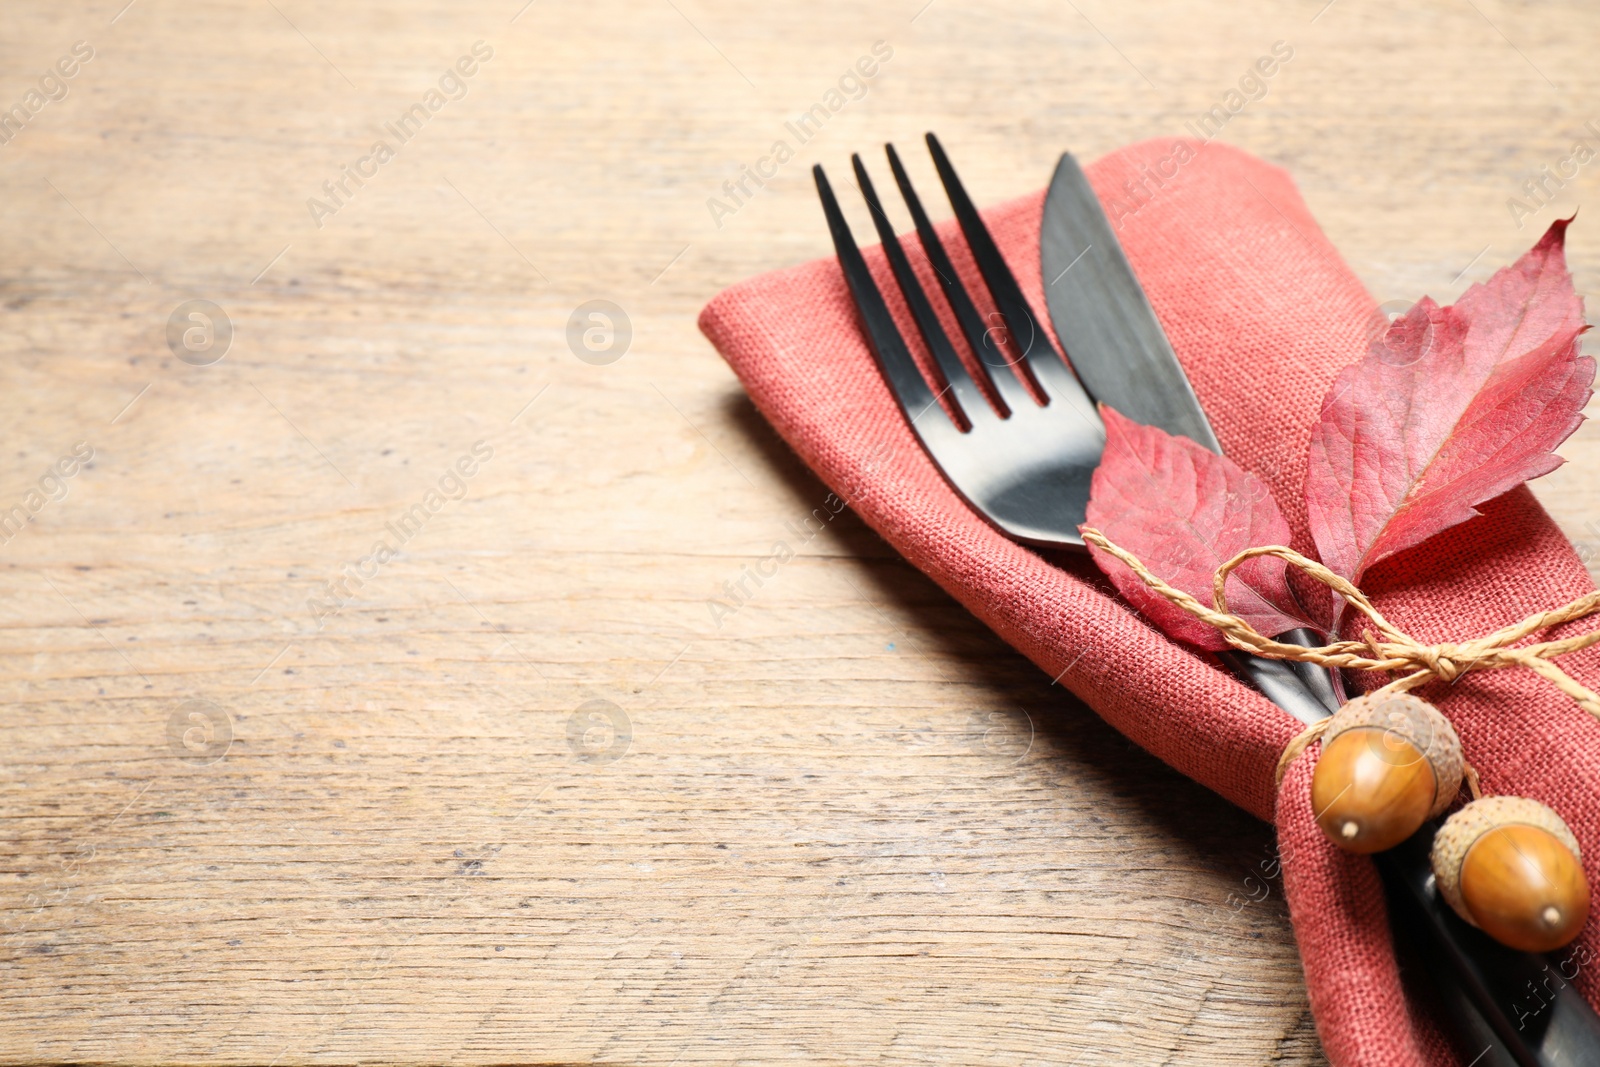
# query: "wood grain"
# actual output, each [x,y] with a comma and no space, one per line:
[848,825]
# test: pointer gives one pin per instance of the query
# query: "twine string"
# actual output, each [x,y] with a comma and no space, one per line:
[1383,647]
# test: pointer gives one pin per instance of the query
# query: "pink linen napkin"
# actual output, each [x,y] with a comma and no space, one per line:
[1263,313]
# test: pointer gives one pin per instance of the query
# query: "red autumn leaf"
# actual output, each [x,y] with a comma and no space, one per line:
[1451,407]
[1184,511]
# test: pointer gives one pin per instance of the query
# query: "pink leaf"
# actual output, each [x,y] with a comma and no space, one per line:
[1184,511]
[1450,408]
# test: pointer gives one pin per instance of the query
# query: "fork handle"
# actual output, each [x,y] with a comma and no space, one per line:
[1281,683]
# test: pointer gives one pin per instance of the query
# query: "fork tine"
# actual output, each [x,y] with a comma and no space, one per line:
[1006,382]
[894,359]
[1027,331]
[973,404]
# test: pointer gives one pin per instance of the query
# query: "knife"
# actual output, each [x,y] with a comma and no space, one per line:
[1123,358]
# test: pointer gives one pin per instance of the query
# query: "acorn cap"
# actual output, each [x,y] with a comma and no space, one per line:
[1462,830]
[1419,723]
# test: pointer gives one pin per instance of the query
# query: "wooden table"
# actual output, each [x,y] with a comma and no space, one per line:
[510,795]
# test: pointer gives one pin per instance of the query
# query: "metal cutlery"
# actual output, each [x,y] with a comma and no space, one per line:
[1027,466]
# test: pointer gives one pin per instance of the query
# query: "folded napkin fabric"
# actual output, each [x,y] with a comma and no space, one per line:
[1263,313]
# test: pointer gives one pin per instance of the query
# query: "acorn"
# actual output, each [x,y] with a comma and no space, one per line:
[1511,867]
[1389,763]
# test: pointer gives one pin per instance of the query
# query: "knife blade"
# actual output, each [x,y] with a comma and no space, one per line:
[1124,360]
[1122,356]
[1103,317]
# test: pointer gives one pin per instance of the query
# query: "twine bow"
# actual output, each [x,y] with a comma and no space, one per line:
[1387,649]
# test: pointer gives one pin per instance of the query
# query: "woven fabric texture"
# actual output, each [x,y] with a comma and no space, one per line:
[1263,313]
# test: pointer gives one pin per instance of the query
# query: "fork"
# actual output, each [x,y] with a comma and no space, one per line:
[1025,465]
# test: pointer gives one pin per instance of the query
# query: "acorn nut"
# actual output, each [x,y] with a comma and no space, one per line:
[1511,867]
[1389,763]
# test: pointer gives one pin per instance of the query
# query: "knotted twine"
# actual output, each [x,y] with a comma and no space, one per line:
[1389,649]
